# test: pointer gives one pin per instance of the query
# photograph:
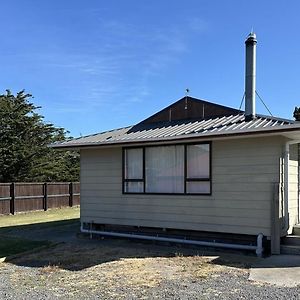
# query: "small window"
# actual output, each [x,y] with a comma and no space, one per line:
[198,161]
[198,169]
[134,170]
[134,163]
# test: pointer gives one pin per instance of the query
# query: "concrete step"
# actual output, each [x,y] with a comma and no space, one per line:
[291,240]
[296,229]
[289,249]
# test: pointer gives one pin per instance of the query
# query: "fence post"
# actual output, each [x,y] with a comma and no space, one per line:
[45,204]
[71,194]
[12,198]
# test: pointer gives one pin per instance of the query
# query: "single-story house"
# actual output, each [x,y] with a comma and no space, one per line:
[195,167]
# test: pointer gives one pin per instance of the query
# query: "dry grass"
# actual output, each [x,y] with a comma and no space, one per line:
[49,269]
[109,269]
[132,273]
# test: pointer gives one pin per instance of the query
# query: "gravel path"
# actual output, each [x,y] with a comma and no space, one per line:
[115,269]
[227,285]
[120,276]
[230,284]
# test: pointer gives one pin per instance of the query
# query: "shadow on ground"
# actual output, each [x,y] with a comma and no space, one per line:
[55,231]
[70,252]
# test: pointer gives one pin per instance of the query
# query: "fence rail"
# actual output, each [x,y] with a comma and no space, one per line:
[24,196]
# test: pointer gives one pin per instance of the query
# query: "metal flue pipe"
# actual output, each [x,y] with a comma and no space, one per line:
[250,78]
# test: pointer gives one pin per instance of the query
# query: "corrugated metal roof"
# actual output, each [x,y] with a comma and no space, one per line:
[226,125]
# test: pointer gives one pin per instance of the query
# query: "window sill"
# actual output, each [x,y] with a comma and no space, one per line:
[169,194]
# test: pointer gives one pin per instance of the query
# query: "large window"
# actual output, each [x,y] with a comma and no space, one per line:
[175,169]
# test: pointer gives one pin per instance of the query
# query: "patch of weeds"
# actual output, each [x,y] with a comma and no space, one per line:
[49,269]
[195,267]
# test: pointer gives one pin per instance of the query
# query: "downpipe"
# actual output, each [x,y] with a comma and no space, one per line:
[258,248]
[286,186]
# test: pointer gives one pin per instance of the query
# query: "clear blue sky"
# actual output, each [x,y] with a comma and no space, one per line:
[98,65]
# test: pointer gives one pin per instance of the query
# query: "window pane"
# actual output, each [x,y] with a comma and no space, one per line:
[165,169]
[134,163]
[198,161]
[194,187]
[134,187]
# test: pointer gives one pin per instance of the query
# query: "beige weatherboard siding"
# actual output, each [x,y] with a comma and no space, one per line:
[244,172]
[293,187]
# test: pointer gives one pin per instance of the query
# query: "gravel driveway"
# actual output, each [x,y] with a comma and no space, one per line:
[120,269]
[113,269]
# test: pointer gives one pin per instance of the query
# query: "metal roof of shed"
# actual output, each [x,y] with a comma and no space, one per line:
[234,124]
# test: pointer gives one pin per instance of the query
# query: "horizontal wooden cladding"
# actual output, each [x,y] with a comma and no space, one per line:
[222,195]
[157,216]
[168,210]
[244,170]
[244,187]
[101,166]
[107,155]
[99,177]
[98,188]
[220,187]
[104,179]
[293,186]
[177,203]
[93,168]
[260,146]
[243,176]
[216,227]
[252,160]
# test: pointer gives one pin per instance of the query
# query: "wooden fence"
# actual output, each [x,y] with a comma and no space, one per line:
[20,197]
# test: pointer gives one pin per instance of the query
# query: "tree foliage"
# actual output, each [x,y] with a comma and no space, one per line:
[24,140]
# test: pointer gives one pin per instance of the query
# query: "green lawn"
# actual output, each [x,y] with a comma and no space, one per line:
[12,225]
[36,217]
